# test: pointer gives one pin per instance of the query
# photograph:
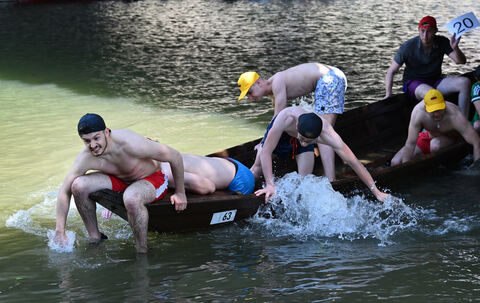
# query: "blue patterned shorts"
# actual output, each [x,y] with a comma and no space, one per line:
[330,93]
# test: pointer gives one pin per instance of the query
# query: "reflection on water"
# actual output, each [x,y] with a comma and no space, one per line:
[168,69]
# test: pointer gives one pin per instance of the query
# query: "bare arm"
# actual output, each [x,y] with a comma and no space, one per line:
[413,129]
[457,55]
[279,95]
[333,139]
[147,149]
[64,196]
[266,159]
[392,70]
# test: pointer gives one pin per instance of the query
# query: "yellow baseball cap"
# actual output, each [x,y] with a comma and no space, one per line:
[245,81]
[434,101]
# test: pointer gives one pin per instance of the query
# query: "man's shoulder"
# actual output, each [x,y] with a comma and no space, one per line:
[410,42]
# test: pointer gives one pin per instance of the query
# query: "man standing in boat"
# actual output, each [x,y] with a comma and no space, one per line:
[327,82]
[123,161]
[441,122]
[309,128]
[423,58]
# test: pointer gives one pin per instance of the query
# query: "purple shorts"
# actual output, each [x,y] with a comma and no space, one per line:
[409,86]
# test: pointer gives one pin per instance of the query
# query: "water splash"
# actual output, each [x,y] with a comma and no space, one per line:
[66,247]
[308,207]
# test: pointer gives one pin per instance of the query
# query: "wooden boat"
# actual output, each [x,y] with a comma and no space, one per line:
[374,132]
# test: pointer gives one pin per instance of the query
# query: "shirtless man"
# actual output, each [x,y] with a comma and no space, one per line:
[203,175]
[440,120]
[123,161]
[423,58]
[309,128]
[328,82]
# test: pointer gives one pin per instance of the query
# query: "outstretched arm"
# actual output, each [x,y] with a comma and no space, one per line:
[347,155]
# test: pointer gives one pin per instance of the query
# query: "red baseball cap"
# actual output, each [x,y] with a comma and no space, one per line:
[428,22]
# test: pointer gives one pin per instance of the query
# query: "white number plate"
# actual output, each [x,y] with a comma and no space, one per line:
[223,216]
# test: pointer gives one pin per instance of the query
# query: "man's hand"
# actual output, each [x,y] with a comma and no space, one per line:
[454,42]
[179,200]
[60,239]
[269,192]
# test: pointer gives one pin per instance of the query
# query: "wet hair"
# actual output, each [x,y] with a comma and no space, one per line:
[90,123]
[477,73]
[309,125]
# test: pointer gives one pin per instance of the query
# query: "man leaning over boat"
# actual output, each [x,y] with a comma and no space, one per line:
[308,128]
[436,124]
[328,83]
[124,161]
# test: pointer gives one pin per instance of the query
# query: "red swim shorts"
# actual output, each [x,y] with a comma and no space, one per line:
[158,180]
[423,142]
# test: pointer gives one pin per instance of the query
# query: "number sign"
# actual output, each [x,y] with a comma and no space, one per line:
[223,216]
[462,24]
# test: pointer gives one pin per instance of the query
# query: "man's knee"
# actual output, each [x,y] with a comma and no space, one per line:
[80,185]
[132,201]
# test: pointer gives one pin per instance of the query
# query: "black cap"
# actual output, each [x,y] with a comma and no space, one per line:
[90,123]
[309,125]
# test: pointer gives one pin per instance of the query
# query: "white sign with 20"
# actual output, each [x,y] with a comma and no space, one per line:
[462,24]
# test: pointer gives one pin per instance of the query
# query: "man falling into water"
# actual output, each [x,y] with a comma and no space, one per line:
[435,124]
[327,82]
[308,128]
[423,58]
[123,161]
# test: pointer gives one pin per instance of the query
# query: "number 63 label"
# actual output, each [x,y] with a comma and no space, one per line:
[223,216]
[462,24]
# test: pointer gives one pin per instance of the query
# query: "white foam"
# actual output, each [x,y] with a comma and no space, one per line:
[305,207]
[64,247]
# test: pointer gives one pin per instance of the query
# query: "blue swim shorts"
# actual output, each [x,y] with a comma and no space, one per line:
[244,181]
[330,92]
[287,146]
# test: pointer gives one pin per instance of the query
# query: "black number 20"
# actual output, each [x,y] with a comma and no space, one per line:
[467,23]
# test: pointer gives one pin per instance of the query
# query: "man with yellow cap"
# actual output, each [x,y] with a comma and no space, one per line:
[328,83]
[441,122]
[423,58]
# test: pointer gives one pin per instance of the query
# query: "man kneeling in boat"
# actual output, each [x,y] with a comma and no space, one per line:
[308,128]
[204,175]
[441,122]
[124,161]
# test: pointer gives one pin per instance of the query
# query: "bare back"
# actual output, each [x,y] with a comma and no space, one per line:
[220,171]
[301,79]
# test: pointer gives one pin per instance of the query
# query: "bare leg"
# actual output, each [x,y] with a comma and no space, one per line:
[422,90]
[135,197]
[81,188]
[460,85]
[440,142]
[397,159]
[305,163]
[326,152]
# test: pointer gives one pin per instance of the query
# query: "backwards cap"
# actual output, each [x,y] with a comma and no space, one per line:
[428,22]
[309,125]
[434,101]
[245,81]
[90,123]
